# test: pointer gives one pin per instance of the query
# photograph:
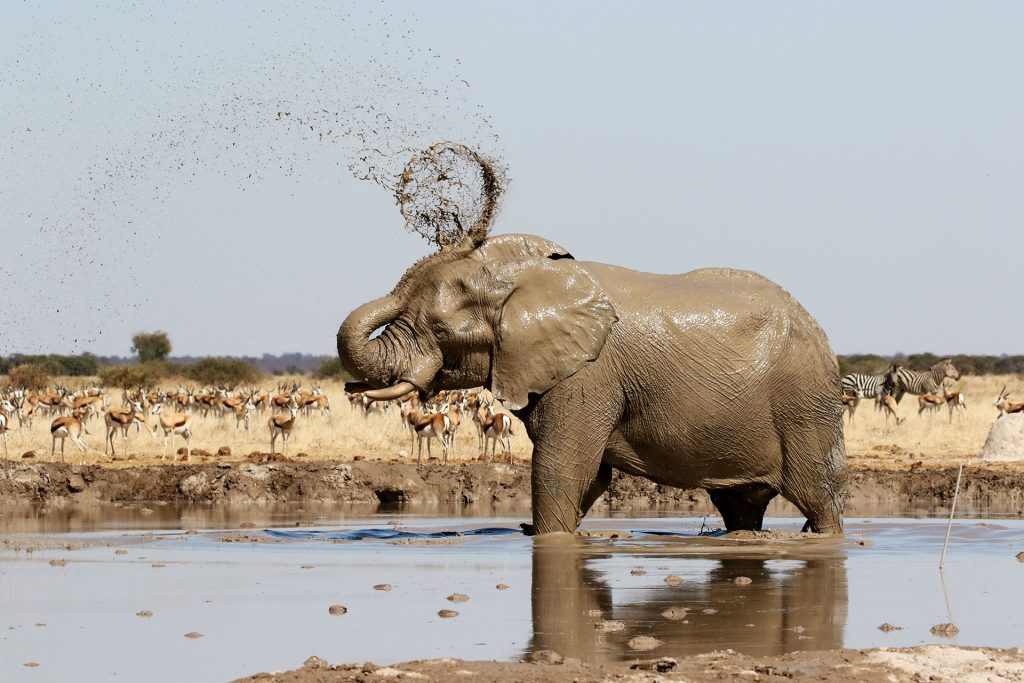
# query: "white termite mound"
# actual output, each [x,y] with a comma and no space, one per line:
[1005,440]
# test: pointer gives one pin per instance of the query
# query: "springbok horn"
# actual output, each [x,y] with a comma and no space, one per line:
[392,392]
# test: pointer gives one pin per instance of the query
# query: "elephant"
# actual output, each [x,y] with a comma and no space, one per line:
[716,378]
[805,600]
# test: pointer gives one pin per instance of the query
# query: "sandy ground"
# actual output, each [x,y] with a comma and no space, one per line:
[931,663]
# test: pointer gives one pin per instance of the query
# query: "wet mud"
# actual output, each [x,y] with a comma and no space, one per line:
[897,666]
[883,491]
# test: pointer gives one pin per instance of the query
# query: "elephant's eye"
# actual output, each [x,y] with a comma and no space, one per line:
[440,330]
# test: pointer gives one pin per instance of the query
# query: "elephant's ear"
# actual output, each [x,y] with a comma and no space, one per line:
[514,246]
[555,318]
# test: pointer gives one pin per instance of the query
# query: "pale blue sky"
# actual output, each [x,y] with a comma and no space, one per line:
[866,156]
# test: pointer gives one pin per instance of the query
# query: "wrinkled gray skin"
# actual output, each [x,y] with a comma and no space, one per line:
[715,378]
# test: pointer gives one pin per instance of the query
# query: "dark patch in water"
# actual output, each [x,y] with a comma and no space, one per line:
[388,534]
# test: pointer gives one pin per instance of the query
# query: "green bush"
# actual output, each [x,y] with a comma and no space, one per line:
[138,375]
[53,364]
[28,376]
[226,371]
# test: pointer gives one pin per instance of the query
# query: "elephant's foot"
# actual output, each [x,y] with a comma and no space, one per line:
[743,507]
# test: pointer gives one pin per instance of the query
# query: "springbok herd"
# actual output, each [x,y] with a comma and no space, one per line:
[175,413]
[934,389]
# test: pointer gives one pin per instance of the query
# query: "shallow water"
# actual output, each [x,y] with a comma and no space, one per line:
[259,609]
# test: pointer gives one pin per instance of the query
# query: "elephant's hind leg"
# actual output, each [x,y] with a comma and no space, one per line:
[742,507]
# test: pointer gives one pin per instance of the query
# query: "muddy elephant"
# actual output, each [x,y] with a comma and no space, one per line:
[797,603]
[714,379]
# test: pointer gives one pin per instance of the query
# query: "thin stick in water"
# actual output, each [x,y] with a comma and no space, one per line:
[952,509]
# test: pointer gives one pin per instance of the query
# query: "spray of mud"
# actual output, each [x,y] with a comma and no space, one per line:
[270,96]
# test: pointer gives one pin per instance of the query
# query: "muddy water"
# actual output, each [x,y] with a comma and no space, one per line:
[261,599]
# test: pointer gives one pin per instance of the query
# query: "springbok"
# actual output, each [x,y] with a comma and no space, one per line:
[64,428]
[890,406]
[121,418]
[281,425]
[955,400]
[428,426]
[929,402]
[1005,406]
[496,427]
[173,423]
[850,404]
[4,428]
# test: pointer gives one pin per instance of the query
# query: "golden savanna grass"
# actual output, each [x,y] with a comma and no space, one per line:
[347,433]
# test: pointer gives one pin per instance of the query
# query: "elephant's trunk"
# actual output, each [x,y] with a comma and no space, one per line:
[366,359]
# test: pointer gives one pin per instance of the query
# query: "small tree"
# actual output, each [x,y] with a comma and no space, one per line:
[30,377]
[151,346]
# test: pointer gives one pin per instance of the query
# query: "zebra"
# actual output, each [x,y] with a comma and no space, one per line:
[919,383]
[862,386]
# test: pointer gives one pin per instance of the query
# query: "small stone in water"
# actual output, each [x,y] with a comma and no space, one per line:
[1020,556]
[710,610]
[120,551]
[946,630]
[382,587]
[193,634]
[673,580]
[643,643]
[502,586]
[674,613]
[447,613]
[742,580]
[889,628]
[337,609]
[144,613]
[458,597]
[638,572]
[58,563]
[609,626]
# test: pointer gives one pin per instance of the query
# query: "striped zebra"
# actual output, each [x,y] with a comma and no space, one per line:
[860,385]
[919,383]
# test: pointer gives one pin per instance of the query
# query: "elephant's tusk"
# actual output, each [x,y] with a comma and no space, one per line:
[392,392]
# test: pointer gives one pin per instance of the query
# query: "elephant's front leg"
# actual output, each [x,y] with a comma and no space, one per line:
[569,439]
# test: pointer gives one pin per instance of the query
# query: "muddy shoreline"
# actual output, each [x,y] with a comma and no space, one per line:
[933,662]
[920,487]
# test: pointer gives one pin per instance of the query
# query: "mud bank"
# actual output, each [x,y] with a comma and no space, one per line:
[989,487]
[934,662]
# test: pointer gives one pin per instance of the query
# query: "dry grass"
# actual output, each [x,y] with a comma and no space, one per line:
[347,433]
[930,436]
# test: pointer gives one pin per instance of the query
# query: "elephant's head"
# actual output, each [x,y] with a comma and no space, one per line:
[514,313]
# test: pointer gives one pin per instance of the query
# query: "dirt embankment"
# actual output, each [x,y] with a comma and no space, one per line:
[994,487]
[933,662]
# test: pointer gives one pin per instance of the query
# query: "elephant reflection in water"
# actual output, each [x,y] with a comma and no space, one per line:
[793,606]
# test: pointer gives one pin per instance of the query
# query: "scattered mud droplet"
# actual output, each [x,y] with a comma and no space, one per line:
[674,613]
[447,613]
[608,626]
[742,580]
[673,580]
[40,625]
[643,643]
[305,566]
[457,597]
[710,610]
[503,586]
[945,630]
[193,634]
[144,613]
[337,609]
[58,563]
[157,565]
[637,571]
[889,628]
[382,587]
[31,665]
[120,551]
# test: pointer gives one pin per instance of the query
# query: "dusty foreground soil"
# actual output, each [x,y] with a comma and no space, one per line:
[931,663]
[874,487]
